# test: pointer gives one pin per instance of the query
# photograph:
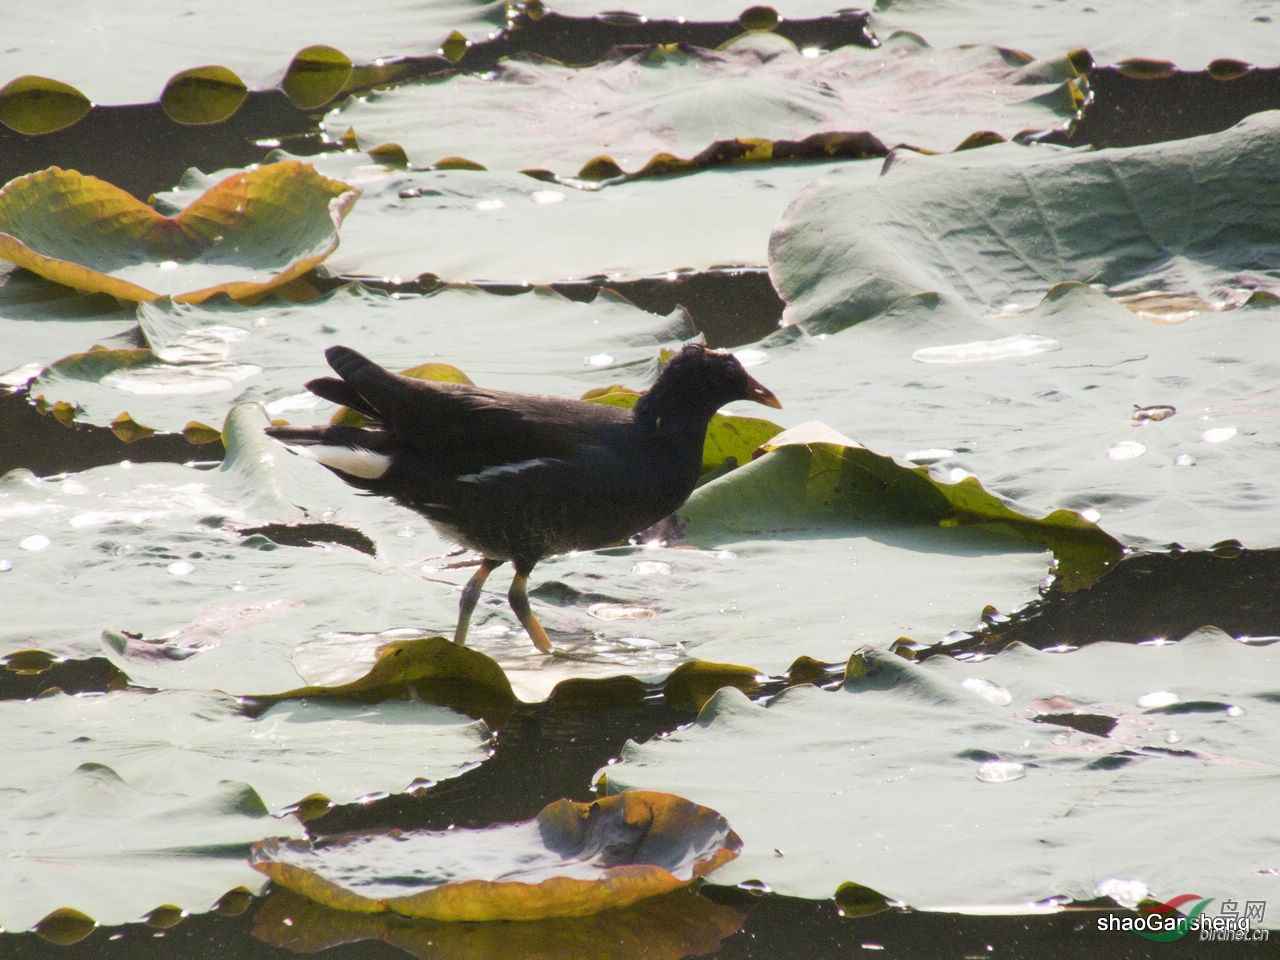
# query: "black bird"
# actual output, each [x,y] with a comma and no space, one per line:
[518,477]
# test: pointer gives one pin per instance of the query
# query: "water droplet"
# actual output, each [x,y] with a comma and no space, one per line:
[547,196]
[6,566]
[988,691]
[1235,711]
[651,568]
[1127,893]
[619,611]
[493,204]
[181,568]
[1173,737]
[1090,514]
[1184,460]
[37,541]
[1061,900]
[639,643]
[755,886]
[599,360]
[1125,450]
[1157,698]
[929,456]
[977,351]
[1218,434]
[1000,771]
[169,265]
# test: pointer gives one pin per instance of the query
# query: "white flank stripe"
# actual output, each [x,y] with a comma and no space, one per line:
[505,469]
[354,461]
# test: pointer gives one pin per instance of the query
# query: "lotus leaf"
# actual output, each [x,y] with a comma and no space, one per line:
[994,232]
[200,358]
[35,105]
[573,859]
[126,55]
[396,229]
[1191,36]
[665,927]
[677,102]
[816,478]
[248,234]
[971,785]
[120,802]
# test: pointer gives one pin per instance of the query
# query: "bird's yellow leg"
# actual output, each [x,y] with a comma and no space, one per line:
[470,596]
[518,597]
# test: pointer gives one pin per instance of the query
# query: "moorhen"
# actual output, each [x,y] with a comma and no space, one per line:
[518,477]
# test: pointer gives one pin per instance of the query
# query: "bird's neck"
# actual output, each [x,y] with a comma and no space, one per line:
[674,424]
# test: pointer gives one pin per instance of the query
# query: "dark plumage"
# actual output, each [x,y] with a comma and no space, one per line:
[518,477]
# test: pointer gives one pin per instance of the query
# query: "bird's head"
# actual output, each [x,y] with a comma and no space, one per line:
[701,381]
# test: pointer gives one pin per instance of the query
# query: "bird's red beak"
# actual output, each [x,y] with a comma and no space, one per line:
[761,394]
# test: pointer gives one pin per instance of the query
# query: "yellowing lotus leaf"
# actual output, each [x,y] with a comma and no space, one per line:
[248,234]
[431,669]
[678,924]
[573,859]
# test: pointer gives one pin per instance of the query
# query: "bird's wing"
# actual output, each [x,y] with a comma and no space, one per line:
[465,428]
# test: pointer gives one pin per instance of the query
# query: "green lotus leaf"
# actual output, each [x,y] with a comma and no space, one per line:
[592,693]
[36,105]
[454,47]
[203,95]
[758,18]
[1023,776]
[747,150]
[693,683]
[1003,229]
[1188,36]
[656,107]
[65,926]
[129,430]
[250,233]
[315,76]
[111,848]
[573,859]
[127,57]
[121,802]
[814,477]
